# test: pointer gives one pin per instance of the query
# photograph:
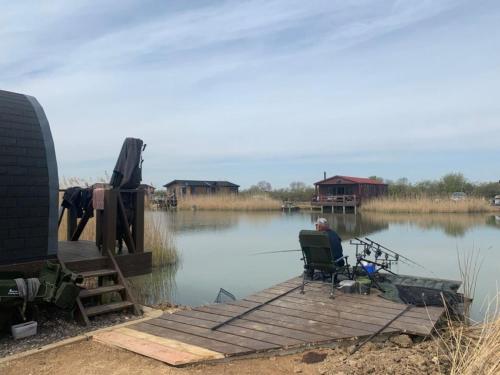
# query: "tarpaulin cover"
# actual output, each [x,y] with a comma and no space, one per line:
[420,291]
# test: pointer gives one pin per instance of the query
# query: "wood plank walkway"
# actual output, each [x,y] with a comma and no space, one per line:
[291,321]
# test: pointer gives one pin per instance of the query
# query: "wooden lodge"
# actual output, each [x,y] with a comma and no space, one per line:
[345,192]
[186,188]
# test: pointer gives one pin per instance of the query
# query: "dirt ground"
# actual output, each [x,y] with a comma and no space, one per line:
[89,358]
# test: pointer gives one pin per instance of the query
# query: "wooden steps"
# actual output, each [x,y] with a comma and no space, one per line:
[98,273]
[107,308]
[87,293]
[107,292]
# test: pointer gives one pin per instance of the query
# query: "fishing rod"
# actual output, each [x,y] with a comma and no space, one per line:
[276,251]
[392,251]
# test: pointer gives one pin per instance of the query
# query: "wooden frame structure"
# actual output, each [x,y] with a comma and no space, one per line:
[107,220]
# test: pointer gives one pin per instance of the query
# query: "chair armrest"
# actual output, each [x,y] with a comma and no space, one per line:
[344,257]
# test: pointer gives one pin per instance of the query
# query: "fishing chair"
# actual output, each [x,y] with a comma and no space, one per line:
[317,256]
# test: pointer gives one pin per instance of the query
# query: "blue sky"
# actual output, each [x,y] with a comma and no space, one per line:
[263,90]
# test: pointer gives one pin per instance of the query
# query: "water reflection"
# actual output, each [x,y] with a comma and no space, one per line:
[195,221]
[454,225]
[350,226]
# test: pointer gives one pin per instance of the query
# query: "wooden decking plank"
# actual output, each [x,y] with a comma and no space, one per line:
[256,324]
[147,348]
[177,345]
[371,300]
[235,330]
[374,298]
[302,325]
[306,325]
[342,306]
[247,342]
[215,345]
[351,320]
[343,323]
[417,313]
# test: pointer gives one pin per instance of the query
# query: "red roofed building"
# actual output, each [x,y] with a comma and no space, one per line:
[347,191]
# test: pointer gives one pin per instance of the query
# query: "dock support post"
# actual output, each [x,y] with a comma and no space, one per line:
[71,223]
[109,221]
[343,210]
[138,224]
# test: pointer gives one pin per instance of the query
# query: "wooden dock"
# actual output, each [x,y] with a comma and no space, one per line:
[289,322]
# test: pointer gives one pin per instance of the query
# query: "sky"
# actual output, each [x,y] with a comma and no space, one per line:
[277,90]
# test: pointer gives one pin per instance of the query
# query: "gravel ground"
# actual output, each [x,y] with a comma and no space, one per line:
[53,326]
[92,358]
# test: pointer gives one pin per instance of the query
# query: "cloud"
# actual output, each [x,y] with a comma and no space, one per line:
[207,81]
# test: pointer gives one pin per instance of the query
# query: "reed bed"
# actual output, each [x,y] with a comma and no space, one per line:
[160,241]
[474,349]
[230,203]
[157,238]
[428,205]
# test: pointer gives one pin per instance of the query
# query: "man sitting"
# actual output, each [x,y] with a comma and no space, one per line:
[335,240]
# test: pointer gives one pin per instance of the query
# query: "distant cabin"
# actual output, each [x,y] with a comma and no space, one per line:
[148,189]
[346,191]
[185,188]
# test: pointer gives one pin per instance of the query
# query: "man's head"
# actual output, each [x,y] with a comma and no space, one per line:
[322,224]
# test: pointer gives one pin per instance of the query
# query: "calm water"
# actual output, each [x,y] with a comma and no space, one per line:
[218,249]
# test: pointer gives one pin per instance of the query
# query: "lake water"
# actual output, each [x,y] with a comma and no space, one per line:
[218,250]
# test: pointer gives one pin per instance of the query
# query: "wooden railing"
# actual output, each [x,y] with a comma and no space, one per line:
[107,219]
[336,199]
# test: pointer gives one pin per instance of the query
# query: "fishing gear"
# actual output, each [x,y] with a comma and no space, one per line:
[364,250]
[379,246]
[276,251]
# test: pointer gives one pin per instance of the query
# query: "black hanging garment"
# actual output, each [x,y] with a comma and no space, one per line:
[127,173]
[77,200]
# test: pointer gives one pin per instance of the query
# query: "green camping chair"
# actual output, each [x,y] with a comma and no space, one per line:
[317,256]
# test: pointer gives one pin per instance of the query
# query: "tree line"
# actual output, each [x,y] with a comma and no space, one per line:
[402,187]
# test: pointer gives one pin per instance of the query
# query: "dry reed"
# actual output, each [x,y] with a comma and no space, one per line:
[428,205]
[160,241]
[157,238]
[472,350]
[229,203]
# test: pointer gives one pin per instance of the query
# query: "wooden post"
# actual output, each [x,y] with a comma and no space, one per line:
[109,221]
[71,223]
[98,227]
[138,224]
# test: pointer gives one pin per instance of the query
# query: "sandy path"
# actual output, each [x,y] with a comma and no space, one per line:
[91,358]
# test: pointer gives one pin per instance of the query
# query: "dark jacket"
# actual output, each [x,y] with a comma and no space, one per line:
[336,246]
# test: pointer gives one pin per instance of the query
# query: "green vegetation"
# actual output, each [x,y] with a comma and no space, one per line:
[446,185]
[296,192]
[400,188]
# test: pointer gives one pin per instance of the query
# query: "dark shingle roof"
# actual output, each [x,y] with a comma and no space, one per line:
[356,180]
[201,183]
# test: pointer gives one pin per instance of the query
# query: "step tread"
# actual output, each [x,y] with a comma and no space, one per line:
[110,307]
[85,293]
[97,273]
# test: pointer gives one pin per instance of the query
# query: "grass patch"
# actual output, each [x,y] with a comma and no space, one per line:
[427,205]
[230,203]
